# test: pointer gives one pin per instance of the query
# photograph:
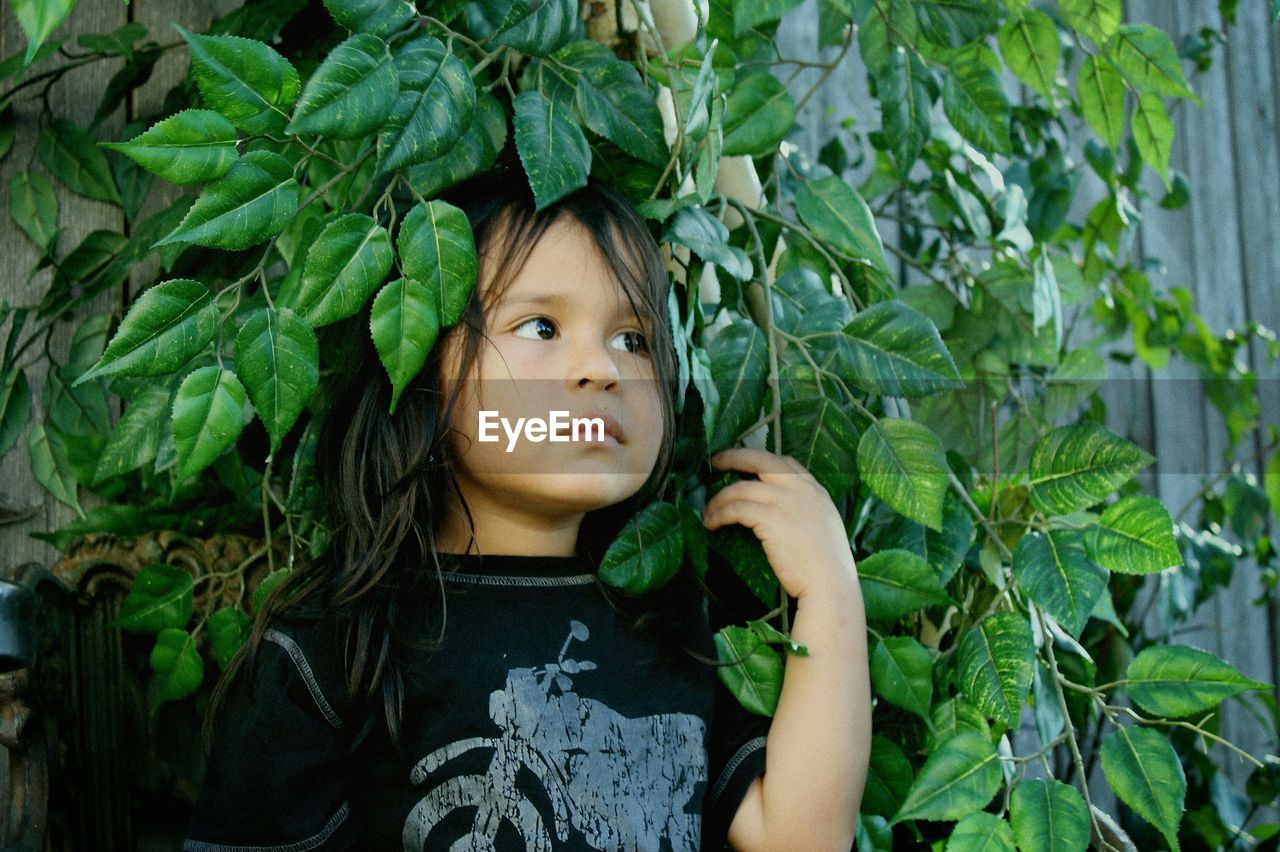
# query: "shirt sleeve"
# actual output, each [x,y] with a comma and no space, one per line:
[736,738]
[273,779]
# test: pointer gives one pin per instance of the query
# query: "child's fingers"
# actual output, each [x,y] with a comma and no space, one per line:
[745,512]
[746,489]
[760,462]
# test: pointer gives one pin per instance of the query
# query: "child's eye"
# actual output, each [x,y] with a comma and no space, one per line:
[638,344]
[544,320]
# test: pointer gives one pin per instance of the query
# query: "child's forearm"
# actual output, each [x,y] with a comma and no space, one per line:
[820,738]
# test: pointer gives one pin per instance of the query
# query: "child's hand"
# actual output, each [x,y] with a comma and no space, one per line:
[791,514]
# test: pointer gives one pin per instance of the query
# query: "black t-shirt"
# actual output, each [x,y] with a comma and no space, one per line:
[545,721]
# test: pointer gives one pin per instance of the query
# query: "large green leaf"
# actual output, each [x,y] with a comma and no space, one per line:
[73,157]
[1074,466]
[437,248]
[890,349]
[208,416]
[252,202]
[278,359]
[476,149]
[165,326]
[954,23]
[1153,133]
[981,832]
[38,18]
[33,205]
[905,105]
[434,107]
[404,323]
[889,776]
[902,674]
[344,266]
[748,14]
[552,24]
[613,101]
[552,147]
[159,597]
[1098,19]
[904,463]
[756,678]
[137,436]
[376,17]
[1049,816]
[1030,47]
[953,717]
[228,630]
[739,364]
[1134,536]
[1144,771]
[245,80]
[192,146]
[994,663]
[1056,572]
[177,665]
[836,214]
[959,778]
[1145,55]
[1172,681]
[707,237]
[50,466]
[1102,99]
[758,116]
[896,582]
[648,551]
[821,437]
[351,93]
[976,105]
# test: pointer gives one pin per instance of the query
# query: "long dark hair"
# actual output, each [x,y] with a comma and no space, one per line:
[385,479]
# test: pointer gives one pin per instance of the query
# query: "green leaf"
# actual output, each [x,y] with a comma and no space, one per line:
[954,23]
[891,349]
[904,463]
[73,157]
[1172,681]
[1049,816]
[905,106]
[344,266]
[552,24]
[8,130]
[902,674]
[613,101]
[476,149]
[437,248]
[404,323]
[976,105]
[245,80]
[192,146]
[160,597]
[33,205]
[552,148]
[376,17]
[351,93]
[1144,771]
[707,237]
[739,364]
[50,467]
[952,717]
[1134,536]
[836,214]
[758,116]
[1102,99]
[1073,467]
[177,665]
[745,554]
[648,551]
[267,585]
[752,13]
[896,582]
[15,407]
[165,327]
[889,776]
[252,202]
[981,832]
[959,778]
[208,416]
[228,630]
[1097,19]
[756,678]
[119,43]
[1153,133]
[278,359]
[38,18]
[1145,55]
[1056,572]
[1030,48]
[137,436]
[994,663]
[821,437]
[434,107]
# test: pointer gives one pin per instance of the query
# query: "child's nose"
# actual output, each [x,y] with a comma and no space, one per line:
[593,361]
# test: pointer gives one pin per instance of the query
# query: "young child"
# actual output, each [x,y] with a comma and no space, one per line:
[555,712]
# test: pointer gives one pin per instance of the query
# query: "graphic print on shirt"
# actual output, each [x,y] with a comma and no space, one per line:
[602,771]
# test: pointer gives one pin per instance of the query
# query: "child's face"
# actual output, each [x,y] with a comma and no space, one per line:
[580,351]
